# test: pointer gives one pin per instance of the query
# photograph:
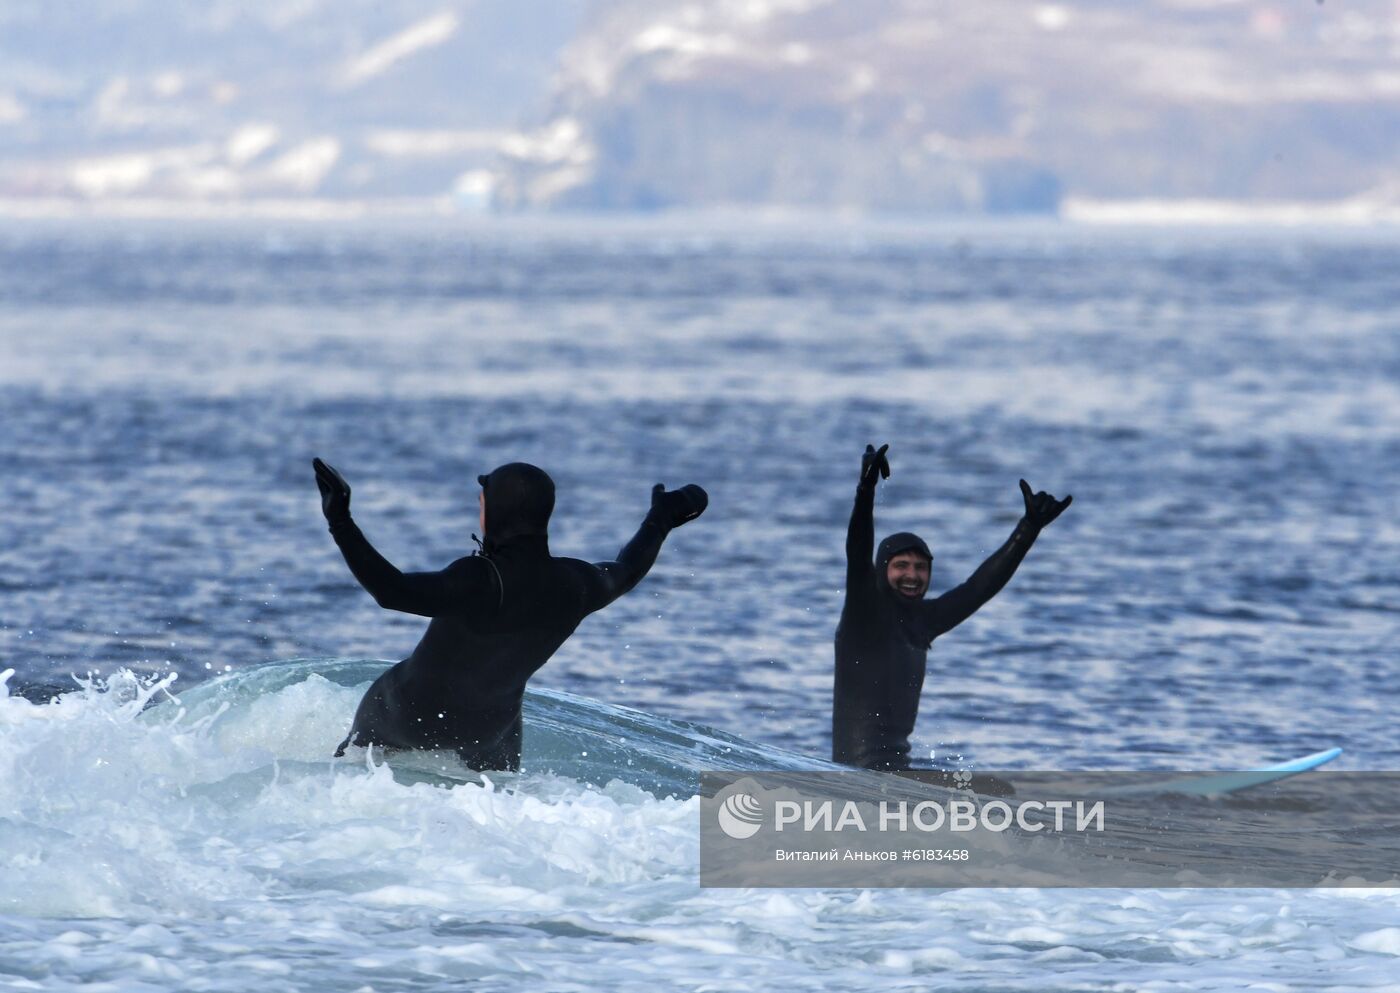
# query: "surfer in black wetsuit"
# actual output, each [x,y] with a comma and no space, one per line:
[497,615]
[887,626]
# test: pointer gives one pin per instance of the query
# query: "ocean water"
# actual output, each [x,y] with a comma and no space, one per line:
[1224,591]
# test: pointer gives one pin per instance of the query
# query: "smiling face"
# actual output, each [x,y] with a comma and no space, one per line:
[908,574]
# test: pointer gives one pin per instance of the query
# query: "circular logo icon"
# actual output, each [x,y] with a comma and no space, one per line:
[740,816]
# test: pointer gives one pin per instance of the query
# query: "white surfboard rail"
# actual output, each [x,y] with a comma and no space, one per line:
[1230,782]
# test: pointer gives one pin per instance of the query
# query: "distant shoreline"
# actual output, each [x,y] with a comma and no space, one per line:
[1075,212]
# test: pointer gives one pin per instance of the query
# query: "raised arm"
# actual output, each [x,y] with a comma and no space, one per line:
[958,604]
[463,585]
[669,510]
[860,533]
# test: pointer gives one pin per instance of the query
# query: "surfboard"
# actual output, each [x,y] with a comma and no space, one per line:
[1230,782]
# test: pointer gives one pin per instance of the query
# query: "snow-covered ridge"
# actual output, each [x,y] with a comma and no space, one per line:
[156,101]
[1082,107]
[900,105]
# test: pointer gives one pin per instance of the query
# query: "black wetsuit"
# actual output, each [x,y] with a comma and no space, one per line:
[883,639]
[497,616]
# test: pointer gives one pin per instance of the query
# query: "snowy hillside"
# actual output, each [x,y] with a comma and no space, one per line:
[237,99]
[870,105]
[998,105]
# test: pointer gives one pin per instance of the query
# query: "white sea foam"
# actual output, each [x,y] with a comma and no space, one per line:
[211,843]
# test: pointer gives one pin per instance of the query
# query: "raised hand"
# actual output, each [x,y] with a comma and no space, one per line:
[874,466]
[672,508]
[1042,508]
[335,492]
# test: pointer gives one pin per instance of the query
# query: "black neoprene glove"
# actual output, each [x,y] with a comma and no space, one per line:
[672,508]
[1041,508]
[874,466]
[335,492]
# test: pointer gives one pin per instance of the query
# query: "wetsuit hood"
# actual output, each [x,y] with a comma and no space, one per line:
[519,500]
[904,541]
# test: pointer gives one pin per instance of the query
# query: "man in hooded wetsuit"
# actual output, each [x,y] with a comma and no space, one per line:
[497,615]
[887,626]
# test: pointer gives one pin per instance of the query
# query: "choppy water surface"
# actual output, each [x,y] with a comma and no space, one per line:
[1224,591]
